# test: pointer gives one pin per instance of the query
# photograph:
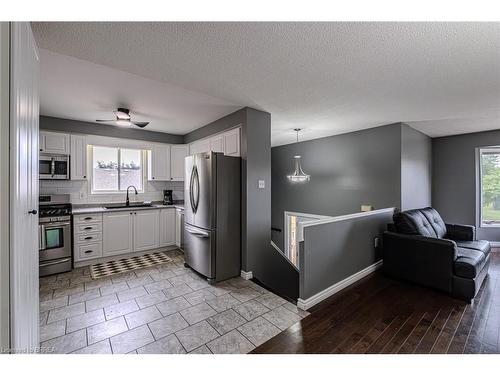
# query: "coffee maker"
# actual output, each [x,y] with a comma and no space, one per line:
[167,197]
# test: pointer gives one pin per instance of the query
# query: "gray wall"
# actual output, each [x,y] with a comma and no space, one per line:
[73,126]
[416,168]
[347,170]
[454,178]
[334,251]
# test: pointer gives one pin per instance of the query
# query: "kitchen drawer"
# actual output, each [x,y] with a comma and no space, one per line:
[81,238]
[90,218]
[88,251]
[88,227]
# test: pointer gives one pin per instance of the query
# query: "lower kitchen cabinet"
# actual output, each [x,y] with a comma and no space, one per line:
[167,227]
[121,232]
[117,233]
[146,224]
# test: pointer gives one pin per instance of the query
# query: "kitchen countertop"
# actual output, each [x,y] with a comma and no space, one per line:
[99,208]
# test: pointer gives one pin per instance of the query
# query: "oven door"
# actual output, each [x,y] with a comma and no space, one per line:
[55,240]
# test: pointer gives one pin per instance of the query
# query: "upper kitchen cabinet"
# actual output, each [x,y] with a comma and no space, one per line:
[159,163]
[217,143]
[54,143]
[177,155]
[78,157]
[227,143]
[232,142]
[199,146]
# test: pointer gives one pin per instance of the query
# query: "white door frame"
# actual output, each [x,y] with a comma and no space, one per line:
[24,127]
[4,187]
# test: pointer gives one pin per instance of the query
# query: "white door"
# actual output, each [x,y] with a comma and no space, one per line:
[217,143]
[146,229]
[24,104]
[167,227]
[177,155]
[160,163]
[117,232]
[55,143]
[78,157]
[232,142]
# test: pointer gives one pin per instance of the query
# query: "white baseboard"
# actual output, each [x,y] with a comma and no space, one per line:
[246,275]
[330,291]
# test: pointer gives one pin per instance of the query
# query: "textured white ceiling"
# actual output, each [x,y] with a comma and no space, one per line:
[327,78]
[80,90]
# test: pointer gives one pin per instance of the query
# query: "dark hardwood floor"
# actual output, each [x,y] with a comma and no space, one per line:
[381,315]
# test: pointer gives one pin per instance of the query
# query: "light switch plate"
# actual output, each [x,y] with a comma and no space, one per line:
[262,184]
[366,208]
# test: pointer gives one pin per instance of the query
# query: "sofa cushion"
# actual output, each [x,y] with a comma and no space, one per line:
[423,221]
[469,262]
[480,245]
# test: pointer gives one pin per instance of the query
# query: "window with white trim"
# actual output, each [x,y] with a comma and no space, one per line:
[489,181]
[114,169]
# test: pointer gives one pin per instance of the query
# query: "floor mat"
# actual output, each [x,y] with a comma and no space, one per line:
[130,264]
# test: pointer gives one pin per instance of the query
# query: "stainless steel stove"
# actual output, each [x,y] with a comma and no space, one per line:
[54,228]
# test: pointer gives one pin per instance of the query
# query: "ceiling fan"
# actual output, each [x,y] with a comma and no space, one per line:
[123,118]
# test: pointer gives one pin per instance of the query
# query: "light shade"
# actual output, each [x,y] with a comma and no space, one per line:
[298,174]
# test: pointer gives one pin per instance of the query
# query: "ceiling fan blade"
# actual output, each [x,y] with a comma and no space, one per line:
[139,124]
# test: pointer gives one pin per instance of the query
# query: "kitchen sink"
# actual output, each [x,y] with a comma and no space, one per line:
[132,205]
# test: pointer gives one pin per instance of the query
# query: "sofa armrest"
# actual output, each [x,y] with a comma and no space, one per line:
[458,232]
[423,260]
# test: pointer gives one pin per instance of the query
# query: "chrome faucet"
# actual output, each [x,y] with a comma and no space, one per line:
[127,202]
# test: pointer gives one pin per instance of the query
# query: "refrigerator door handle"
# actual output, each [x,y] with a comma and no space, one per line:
[197,233]
[197,178]
[191,198]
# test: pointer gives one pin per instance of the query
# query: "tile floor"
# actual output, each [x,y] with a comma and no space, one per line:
[163,309]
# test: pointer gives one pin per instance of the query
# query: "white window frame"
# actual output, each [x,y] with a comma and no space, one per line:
[479,186]
[90,171]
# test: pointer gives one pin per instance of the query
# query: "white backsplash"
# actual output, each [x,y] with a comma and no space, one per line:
[79,191]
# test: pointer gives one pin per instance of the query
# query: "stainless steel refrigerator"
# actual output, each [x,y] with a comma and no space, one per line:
[212,215]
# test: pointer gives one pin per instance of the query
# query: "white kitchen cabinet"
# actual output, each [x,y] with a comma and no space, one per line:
[117,233]
[177,155]
[78,157]
[199,146]
[167,226]
[146,225]
[217,143]
[179,226]
[54,143]
[159,163]
[232,142]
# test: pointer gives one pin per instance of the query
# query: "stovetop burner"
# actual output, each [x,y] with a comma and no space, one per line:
[54,205]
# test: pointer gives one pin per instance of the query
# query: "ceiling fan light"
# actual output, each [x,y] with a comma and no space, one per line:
[122,122]
[298,174]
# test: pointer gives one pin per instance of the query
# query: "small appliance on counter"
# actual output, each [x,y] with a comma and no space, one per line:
[54,230]
[167,197]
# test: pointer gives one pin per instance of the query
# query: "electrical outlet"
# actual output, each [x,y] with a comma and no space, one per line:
[366,208]
[262,184]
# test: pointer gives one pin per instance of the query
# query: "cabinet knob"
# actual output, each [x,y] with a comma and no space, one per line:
[84,176]
[153,178]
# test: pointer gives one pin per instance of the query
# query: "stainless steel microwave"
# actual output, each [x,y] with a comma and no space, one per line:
[54,167]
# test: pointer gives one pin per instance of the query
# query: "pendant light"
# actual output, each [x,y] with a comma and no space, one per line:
[298,174]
